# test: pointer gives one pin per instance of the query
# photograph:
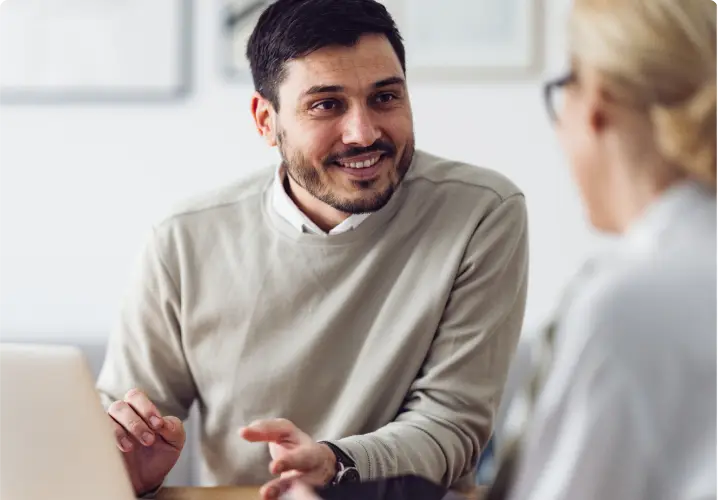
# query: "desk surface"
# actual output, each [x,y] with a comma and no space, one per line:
[223,493]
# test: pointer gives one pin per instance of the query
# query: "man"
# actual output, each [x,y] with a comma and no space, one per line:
[356,308]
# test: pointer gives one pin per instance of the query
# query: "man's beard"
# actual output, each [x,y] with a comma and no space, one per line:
[306,175]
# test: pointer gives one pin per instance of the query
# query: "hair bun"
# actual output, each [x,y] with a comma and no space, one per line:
[686,134]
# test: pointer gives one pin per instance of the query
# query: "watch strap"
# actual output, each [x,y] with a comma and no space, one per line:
[342,457]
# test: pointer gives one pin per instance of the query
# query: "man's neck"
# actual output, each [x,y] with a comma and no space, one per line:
[324,216]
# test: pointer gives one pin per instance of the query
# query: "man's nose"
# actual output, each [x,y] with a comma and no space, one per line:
[360,128]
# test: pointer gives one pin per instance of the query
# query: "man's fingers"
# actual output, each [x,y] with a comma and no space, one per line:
[289,488]
[124,443]
[300,491]
[126,416]
[275,430]
[303,458]
[275,488]
[144,408]
[173,432]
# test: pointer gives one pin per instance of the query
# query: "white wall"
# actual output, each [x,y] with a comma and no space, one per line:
[79,185]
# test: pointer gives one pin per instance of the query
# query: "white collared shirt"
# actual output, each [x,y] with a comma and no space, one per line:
[288,210]
[628,411]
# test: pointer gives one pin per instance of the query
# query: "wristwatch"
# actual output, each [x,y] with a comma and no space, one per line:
[346,471]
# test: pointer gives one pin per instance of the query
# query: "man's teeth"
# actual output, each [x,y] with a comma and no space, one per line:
[362,164]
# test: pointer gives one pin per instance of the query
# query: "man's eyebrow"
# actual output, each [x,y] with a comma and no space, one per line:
[329,89]
[394,80]
[324,89]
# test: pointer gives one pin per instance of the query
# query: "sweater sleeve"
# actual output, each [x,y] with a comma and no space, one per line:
[145,349]
[447,416]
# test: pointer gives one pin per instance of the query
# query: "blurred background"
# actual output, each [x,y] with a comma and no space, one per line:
[111,112]
[86,168]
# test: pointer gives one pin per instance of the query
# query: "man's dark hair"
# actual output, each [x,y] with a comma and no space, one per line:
[290,29]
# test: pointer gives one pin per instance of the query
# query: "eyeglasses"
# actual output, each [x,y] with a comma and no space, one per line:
[553,93]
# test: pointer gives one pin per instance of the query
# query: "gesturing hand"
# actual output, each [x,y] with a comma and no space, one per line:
[300,491]
[150,443]
[294,455]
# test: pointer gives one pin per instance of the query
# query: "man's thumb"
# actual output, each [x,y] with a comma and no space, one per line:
[300,491]
[173,432]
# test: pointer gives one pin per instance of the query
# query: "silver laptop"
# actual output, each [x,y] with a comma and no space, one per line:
[56,441]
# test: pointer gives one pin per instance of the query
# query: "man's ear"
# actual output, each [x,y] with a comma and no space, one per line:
[263,114]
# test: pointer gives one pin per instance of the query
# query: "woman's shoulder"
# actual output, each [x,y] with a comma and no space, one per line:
[638,307]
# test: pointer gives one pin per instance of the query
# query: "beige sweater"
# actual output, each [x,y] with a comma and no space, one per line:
[391,340]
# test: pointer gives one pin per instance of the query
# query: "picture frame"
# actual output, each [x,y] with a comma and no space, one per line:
[464,41]
[94,51]
[237,21]
[470,40]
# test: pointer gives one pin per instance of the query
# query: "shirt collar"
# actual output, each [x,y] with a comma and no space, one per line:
[673,206]
[289,211]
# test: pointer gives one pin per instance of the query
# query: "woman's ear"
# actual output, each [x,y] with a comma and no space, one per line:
[263,114]
[597,117]
[597,102]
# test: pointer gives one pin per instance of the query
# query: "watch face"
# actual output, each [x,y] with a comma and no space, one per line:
[348,475]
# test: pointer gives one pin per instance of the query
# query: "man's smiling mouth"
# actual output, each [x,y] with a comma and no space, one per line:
[361,161]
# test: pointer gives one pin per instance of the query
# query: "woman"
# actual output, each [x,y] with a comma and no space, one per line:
[628,408]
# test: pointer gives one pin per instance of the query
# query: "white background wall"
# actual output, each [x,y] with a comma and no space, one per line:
[79,185]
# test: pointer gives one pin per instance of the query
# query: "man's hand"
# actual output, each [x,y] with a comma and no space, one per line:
[300,491]
[150,443]
[295,455]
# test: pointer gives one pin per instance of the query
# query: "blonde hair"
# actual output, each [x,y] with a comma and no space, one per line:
[660,55]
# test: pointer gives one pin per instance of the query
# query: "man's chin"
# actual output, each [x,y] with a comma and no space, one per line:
[368,202]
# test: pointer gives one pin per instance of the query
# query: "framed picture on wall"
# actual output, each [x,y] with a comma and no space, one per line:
[238,18]
[94,50]
[446,40]
[469,40]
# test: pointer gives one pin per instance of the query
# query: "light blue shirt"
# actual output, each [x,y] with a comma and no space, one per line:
[629,407]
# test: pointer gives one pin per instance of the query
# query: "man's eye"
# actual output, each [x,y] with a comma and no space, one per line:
[385,97]
[327,105]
